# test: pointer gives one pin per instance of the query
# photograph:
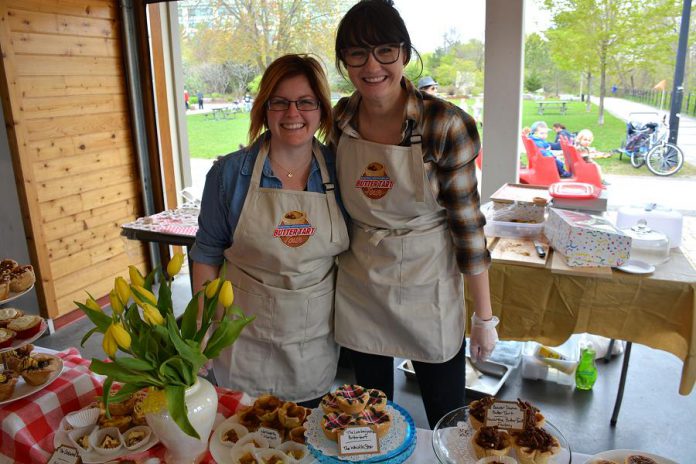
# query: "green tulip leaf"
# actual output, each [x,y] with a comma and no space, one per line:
[134,364]
[87,335]
[100,320]
[177,409]
[190,317]
[125,392]
[191,353]
[122,375]
[105,393]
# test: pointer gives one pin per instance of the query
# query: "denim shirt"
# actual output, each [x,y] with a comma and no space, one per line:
[544,146]
[225,190]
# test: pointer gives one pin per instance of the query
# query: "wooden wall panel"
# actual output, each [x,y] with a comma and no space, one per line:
[66,103]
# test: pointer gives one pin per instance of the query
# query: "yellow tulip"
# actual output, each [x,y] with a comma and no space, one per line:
[120,335]
[93,305]
[148,296]
[135,276]
[109,344]
[174,265]
[212,288]
[152,315]
[226,294]
[116,304]
[123,289]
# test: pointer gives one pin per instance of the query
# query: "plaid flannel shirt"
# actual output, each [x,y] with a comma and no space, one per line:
[450,145]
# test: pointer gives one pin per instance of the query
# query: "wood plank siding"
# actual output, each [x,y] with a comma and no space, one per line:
[65,100]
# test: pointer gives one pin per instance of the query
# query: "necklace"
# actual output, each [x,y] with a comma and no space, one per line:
[291,173]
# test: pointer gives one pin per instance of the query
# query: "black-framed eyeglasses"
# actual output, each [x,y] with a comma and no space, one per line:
[384,53]
[283,104]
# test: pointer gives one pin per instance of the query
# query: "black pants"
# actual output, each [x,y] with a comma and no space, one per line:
[441,384]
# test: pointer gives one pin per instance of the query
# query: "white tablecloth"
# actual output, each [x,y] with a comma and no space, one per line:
[424,450]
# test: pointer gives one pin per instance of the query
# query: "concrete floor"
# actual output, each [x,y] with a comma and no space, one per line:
[653,417]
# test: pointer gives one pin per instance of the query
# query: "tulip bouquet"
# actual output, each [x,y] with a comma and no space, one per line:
[161,353]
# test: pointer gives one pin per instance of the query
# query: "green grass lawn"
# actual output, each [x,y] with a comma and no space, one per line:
[209,138]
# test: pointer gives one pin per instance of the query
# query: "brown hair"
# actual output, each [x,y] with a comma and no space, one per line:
[369,23]
[283,68]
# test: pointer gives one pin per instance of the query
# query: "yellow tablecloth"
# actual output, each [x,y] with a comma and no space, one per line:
[656,310]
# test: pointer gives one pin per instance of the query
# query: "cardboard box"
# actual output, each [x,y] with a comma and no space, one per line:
[586,240]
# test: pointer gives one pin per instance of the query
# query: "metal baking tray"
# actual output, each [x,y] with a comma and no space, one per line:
[489,380]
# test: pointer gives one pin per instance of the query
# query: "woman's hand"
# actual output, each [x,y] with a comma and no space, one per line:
[483,337]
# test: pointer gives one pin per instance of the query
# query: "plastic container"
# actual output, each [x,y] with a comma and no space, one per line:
[647,245]
[512,229]
[560,371]
[574,190]
[659,218]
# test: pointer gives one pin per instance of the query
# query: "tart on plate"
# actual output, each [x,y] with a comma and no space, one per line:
[21,278]
[7,336]
[477,411]
[25,326]
[491,441]
[8,314]
[13,359]
[8,380]
[535,445]
[4,286]
[639,459]
[36,370]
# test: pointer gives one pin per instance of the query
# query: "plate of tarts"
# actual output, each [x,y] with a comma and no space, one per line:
[21,330]
[17,385]
[14,295]
[621,456]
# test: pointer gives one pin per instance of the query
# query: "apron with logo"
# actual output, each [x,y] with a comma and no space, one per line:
[282,266]
[399,291]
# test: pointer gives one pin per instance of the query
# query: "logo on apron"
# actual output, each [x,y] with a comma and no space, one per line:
[294,229]
[374,182]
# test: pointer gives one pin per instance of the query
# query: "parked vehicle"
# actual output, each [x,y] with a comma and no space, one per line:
[646,143]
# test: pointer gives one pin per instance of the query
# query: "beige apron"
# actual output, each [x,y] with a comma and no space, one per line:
[399,291]
[282,266]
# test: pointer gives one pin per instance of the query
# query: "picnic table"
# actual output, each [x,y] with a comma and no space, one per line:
[225,112]
[561,106]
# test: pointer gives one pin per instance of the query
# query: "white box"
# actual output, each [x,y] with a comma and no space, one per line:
[586,240]
[534,368]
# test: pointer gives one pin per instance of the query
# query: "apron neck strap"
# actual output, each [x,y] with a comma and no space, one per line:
[258,165]
[329,193]
[415,140]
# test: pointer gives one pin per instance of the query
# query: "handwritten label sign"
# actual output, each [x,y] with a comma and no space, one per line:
[506,415]
[65,455]
[357,440]
[273,436]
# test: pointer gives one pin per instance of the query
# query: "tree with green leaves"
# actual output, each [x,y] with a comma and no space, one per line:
[592,35]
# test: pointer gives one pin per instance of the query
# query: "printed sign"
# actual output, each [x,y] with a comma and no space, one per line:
[357,440]
[506,415]
[273,436]
[65,455]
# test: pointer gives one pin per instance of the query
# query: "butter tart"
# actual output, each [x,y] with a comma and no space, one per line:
[36,370]
[351,398]
[291,415]
[4,286]
[377,399]
[297,435]
[534,445]
[533,417]
[7,336]
[21,278]
[491,441]
[7,265]
[13,359]
[380,421]
[8,380]
[25,326]
[266,407]
[9,314]
[477,411]
[639,459]
[329,404]
[332,423]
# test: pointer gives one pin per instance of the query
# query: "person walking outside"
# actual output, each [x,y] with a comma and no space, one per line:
[199,97]
[186,98]
[405,163]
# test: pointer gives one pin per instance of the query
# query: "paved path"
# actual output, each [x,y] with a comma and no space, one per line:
[622,109]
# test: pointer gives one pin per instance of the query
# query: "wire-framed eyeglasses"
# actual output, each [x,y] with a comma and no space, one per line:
[283,104]
[384,53]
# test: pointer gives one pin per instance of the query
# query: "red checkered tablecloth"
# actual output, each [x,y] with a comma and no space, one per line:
[27,426]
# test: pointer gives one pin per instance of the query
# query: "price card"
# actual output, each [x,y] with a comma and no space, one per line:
[506,415]
[65,455]
[272,435]
[357,440]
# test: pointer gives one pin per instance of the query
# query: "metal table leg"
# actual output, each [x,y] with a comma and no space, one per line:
[607,356]
[622,382]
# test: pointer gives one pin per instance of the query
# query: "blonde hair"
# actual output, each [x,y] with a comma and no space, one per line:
[584,135]
[285,67]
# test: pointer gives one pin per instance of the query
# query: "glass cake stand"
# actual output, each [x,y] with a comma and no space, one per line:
[452,440]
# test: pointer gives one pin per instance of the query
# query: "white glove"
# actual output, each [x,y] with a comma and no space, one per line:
[483,338]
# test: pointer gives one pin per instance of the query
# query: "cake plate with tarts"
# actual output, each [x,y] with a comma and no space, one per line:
[15,295]
[452,440]
[620,455]
[20,342]
[23,389]
[396,446]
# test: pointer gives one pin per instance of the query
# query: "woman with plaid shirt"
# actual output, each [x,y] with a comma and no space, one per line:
[405,163]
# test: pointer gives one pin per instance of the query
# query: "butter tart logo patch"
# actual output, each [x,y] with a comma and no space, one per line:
[374,182]
[294,229]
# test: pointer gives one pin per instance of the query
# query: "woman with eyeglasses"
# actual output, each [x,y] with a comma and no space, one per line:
[270,211]
[405,162]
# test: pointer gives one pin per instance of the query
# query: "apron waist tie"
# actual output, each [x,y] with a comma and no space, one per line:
[377,235]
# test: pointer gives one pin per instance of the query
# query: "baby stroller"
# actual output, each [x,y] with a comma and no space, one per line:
[646,143]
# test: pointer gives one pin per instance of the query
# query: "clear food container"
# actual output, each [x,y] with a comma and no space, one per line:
[648,245]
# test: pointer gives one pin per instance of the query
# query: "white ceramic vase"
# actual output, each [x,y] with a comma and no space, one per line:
[201,403]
